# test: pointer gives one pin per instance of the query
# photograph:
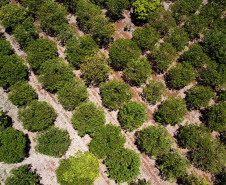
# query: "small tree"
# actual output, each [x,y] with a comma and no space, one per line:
[5,121]
[37,116]
[154,140]
[116,7]
[137,71]
[22,93]
[32,5]
[171,111]
[122,51]
[5,47]
[123,165]
[115,94]
[192,179]
[88,118]
[72,94]
[106,140]
[22,175]
[145,37]
[12,146]
[81,170]
[153,91]
[132,115]
[69,4]
[53,142]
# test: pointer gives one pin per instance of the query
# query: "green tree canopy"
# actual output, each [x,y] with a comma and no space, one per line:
[53,142]
[38,116]
[115,94]
[192,179]
[32,5]
[69,4]
[12,146]
[81,170]
[122,51]
[5,47]
[22,175]
[87,118]
[154,140]
[171,111]
[123,165]
[106,140]
[116,7]
[72,94]
[22,93]
[5,121]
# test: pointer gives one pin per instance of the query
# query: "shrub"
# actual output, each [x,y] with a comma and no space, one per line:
[22,175]
[4,2]
[132,115]
[115,94]
[5,47]
[222,95]
[95,69]
[153,91]
[88,118]
[106,140]
[137,71]
[5,121]
[181,75]
[12,70]
[55,73]
[81,170]
[123,165]
[178,38]
[173,165]
[72,94]
[69,4]
[53,142]
[22,93]
[171,111]
[122,51]
[12,146]
[32,5]
[79,48]
[154,140]
[192,179]
[145,37]
[116,7]
[40,51]
[37,116]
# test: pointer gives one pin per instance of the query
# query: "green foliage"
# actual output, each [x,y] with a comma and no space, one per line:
[106,140]
[173,165]
[87,118]
[81,170]
[4,2]
[123,165]
[122,51]
[178,37]
[144,8]
[55,73]
[69,4]
[132,115]
[115,94]
[171,111]
[162,21]
[193,180]
[222,95]
[154,140]
[141,182]
[137,71]
[181,75]
[153,91]
[12,146]
[5,47]
[12,15]
[5,121]
[38,116]
[164,55]
[40,51]
[195,56]
[22,93]
[199,96]
[72,94]
[216,117]
[22,175]
[32,5]
[190,136]
[79,48]
[116,7]
[12,70]
[145,37]
[53,142]
[95,68]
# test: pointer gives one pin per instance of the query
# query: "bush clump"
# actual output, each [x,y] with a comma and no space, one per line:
[106,140]
[123,165]
[53,142]
[5,121]
[115,94]
[192,180]
[5,47]
[132,115]
[154,140]
[87,118]
[37,116]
